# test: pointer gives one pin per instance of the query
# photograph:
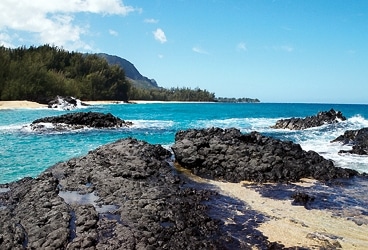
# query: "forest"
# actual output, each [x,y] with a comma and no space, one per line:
[41,73]
[172,94]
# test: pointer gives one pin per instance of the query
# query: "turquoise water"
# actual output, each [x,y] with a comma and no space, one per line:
[27,153]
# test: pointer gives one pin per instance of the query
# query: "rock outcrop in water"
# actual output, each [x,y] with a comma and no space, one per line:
[325,117]
[79,120]
[121,196]
[65,103]
[124,195]
[232,156]
[357,138]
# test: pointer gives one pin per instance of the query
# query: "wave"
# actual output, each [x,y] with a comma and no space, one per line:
[63,105]
[161,131]
[153,124]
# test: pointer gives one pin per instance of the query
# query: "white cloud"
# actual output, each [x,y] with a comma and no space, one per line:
[150,20]
[199,50]
[159,35]
[160,56]
[241,46]
[113,32]
[53,22]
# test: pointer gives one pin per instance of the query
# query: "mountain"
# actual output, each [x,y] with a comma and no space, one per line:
[131,72]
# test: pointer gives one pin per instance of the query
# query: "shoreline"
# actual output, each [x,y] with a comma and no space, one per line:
[292,225]
[23,104]
[296,226]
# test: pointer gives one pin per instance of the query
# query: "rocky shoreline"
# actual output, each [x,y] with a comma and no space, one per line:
[123,195]
[129,195]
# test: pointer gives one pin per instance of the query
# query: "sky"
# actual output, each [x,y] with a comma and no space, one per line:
[309,51]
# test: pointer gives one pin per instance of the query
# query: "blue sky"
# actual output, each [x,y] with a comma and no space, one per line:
[277,51]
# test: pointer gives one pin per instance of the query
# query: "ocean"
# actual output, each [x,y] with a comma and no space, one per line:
[24,152]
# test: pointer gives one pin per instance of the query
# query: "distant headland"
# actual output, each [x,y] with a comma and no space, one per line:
[38,74]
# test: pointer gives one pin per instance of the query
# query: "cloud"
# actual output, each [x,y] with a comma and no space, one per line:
[113,32]
[53,22]
[150,20]
[241,46]
[159,35]
[199,50]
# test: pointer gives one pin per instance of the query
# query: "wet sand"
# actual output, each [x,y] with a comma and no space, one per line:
[293,225]
[297,226]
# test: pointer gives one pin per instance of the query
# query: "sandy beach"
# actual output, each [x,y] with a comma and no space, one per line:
[295,225]
[291,225]
[20,105]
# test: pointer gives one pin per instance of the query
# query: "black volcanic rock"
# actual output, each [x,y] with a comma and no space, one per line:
[232,156]
[124,195]
[324,117]
[357,138]
[80,119]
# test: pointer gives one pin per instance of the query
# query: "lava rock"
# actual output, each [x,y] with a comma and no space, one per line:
[124,195]
[322,118]
[357,138]
[302,198]
[229,155]
[79,120]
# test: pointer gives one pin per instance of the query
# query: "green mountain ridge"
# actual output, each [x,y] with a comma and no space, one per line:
[131,72]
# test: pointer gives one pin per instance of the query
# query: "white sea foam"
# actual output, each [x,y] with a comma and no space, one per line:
[243,124]
[152,124]
[64,105]
[11,128]
[319,140]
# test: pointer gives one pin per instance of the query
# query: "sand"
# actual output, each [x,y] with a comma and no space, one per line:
[296,226]
[20,105]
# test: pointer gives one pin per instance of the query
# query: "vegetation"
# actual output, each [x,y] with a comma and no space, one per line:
[39,73]
[244,99]
[172,94]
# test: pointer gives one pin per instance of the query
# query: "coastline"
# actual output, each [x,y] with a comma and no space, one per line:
[288,224]
[20,105]
[292,225]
